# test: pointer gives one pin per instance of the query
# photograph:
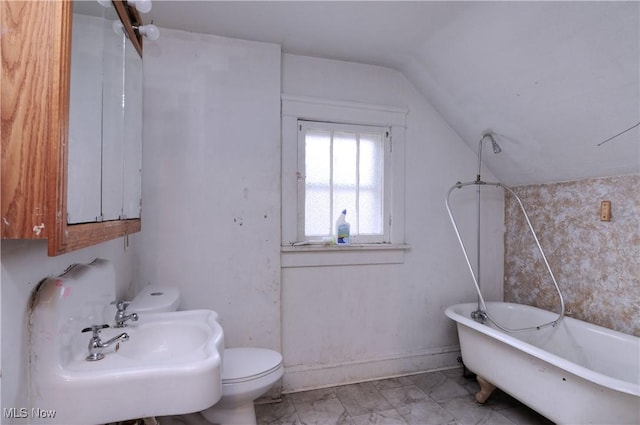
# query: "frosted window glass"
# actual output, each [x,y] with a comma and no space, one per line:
[317,183]
[370,184]
[345,153]
[344,169]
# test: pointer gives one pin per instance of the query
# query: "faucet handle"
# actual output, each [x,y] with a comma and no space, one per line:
[121,305]
[95,329]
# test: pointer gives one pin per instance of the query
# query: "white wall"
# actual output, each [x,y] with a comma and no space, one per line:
[349,323]
[24,265]
[211,180]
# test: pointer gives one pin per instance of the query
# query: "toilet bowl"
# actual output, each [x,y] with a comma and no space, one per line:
[247,373]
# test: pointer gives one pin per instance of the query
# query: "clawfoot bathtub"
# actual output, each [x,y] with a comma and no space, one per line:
[573,373]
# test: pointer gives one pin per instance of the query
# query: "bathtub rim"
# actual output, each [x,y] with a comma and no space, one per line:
[574,368]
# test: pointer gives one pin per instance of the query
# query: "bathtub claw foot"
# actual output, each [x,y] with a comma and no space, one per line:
[486,388]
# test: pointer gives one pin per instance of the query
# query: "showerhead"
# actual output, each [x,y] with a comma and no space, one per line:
[496,148]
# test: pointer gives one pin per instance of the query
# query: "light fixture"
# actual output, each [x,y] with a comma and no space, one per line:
[143,6]
[150,31]
[117,26]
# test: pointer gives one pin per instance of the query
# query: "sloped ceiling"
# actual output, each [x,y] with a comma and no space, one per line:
[550,80]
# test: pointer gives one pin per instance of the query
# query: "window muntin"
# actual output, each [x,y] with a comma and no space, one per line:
[344,168]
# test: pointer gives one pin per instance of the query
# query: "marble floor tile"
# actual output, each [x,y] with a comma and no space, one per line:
[427,382]
[469,383]
[363,398]
[323,412]
[467,412]
[425,412]
[282,413]
[439,386]
[403,395]
[400,381]
[386,417]
[313,395]
[453,373]
[448,389]
[501,400]
[522,415]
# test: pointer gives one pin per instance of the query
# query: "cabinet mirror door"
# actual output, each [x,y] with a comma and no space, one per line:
[132,146]
[105,137]
[91,25]
[113,123]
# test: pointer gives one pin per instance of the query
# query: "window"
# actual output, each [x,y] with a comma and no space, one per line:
[370,138]
[343,168]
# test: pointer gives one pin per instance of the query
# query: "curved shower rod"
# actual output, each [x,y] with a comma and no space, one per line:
[482,312]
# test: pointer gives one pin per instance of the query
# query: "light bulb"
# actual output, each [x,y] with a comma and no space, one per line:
[150,31]
[143,6]
[117,26]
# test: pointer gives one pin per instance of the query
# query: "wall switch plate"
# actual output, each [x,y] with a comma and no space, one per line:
[605,211]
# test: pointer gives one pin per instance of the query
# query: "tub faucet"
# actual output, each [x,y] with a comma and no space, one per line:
[480,316]
[121,315]
[96,344]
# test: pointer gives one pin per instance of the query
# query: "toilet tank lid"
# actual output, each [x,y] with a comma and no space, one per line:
[155,299]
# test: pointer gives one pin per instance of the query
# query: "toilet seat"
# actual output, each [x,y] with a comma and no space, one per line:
[247,364]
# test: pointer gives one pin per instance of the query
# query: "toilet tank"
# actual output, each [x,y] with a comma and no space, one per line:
[155,299]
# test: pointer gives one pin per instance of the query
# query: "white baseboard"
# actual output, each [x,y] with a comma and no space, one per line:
[309,377]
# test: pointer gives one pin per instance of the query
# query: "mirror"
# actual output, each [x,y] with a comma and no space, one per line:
[132,149]
[105,118]
[85,111]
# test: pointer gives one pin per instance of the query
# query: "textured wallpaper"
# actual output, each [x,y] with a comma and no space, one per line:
[596,263]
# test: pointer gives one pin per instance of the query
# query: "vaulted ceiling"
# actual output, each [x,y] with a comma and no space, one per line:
[550,80]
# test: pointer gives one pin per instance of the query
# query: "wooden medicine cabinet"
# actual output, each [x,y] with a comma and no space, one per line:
[71,122]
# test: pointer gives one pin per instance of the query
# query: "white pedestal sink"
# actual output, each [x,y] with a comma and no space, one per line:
[170,365]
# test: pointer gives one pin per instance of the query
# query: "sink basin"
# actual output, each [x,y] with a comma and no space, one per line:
[166,340]
[170,365]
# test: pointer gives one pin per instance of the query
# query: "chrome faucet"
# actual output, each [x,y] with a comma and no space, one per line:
[121,315]
[96,344]
[480,316]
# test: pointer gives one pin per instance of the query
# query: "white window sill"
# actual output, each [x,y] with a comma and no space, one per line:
[354,254]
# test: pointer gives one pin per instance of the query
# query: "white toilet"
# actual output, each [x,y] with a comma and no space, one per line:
[247,373]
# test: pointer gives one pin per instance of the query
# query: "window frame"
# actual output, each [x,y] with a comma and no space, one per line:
[295,108]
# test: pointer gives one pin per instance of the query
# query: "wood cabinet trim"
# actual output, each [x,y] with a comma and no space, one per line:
[59,136]
[35,77]
[83,235]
